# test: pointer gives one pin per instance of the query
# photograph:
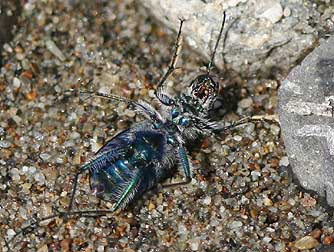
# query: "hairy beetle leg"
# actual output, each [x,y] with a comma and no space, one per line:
[186,168]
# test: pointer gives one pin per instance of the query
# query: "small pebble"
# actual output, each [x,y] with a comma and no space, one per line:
[59,160]
[75,135]
[235,224]
[45,156]
[40,178]
[292,202]
[10,233]
[30,169]
[26,187]
[23,213]
[16,82]
[5,144]
[151,93]
[249,129]
[284,161]
[31,95]
[280,246]
[43,248]
[52,47]
[307,242]
[275,130]
[7,48]
[77,158]
[308,202]
[316,233]
[267,239]
[100,248]
[207,200]
[246,103]
[255,175]
[237,138]
[314,213]
[195,243]
[328,240]
[267,201]
[182,229]
[65,245]
[151,206]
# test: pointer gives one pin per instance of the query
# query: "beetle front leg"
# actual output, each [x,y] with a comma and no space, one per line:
[139,106]
[245,120]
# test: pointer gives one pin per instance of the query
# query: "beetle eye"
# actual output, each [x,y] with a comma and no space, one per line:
[174,113]
[184,121]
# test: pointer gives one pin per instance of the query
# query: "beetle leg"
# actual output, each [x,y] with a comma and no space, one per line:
[235,124]
[82,169]
[185,165]
[139,106]
[248,119]
[125,196]
[159,92]
[65,215]
[128,193]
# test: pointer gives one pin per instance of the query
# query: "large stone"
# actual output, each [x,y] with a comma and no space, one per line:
[306,111]
[261,35]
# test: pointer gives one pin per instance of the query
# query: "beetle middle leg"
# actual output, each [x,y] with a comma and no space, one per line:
[186,168]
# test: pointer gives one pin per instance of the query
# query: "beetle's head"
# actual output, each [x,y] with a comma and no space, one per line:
[203,90]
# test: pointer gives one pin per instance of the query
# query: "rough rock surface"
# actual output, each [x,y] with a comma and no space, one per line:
[261,35]
[306,110]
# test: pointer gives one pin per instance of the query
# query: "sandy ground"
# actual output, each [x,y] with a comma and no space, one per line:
[241,198]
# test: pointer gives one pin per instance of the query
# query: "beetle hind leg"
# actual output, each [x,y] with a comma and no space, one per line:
[128,193]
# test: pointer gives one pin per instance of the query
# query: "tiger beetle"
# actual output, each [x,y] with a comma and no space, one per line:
[139,158]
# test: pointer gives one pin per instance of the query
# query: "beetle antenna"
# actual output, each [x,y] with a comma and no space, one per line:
[216,46]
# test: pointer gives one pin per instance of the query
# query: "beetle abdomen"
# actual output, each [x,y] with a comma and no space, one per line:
[127,164]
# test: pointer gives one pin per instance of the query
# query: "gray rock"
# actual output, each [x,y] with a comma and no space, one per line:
[260,35]
[306,111]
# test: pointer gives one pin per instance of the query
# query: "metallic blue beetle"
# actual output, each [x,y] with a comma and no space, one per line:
[140,157]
